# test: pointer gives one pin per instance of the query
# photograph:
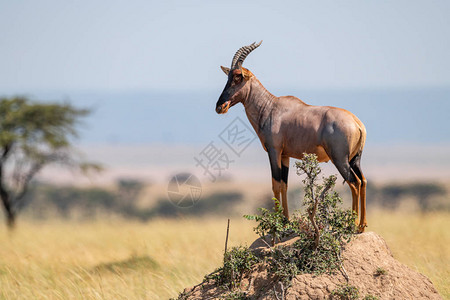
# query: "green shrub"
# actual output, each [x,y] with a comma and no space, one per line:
[380,271]
[272,223]
[236,262]
[322,229]
[322,204]
[345,292]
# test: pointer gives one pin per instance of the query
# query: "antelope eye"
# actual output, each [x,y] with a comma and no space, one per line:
[237,78]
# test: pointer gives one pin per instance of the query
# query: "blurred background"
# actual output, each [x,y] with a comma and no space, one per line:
[149,72]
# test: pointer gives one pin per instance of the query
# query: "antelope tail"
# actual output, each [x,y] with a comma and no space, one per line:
[362,138]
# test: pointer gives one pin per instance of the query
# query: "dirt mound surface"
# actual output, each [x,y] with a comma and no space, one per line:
[368,262]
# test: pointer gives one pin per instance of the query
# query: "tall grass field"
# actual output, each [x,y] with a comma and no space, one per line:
[120,259]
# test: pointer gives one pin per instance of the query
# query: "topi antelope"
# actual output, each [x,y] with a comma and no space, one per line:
[288,127]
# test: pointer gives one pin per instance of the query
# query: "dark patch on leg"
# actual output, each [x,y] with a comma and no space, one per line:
[355,165]
[276,176]
[346,171]
[284,173]
[340,161]
[274,165]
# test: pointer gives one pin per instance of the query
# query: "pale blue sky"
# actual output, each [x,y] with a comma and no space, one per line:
[178,45]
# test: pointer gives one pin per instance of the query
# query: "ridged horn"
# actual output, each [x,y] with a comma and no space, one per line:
[242,53]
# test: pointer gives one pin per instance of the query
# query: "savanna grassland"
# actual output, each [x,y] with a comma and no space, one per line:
[120,259]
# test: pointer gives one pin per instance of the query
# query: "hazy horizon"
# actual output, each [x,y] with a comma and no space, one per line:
[391,116]
[152,136]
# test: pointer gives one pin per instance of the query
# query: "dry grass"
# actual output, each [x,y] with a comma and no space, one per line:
[421,241]
[119,259]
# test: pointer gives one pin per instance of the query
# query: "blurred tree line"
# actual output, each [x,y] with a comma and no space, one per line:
[423,196]
[426,195]
[44,201]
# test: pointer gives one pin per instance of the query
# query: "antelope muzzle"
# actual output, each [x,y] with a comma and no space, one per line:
[223,108]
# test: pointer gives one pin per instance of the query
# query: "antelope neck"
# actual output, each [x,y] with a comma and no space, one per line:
[259,105]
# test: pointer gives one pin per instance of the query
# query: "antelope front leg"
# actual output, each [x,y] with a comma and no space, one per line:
[275,166]
[284,183]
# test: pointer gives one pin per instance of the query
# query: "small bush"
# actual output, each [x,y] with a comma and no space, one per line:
[322,204]
[380,271]
[236,263]
[322,229]
[283,263]
[272,223]
[345,292]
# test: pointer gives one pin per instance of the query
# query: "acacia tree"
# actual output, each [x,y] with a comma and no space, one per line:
[33,136]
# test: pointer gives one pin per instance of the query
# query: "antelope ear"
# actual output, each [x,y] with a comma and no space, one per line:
[246,73]
[225,70]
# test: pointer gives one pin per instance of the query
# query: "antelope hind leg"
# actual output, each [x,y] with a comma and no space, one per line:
[355,164]
[363,221]
[355,188]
